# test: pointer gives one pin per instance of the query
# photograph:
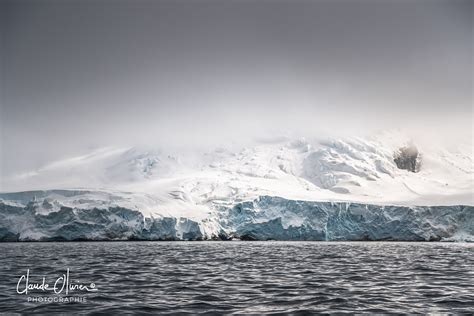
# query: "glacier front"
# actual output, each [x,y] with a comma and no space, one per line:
[87,215]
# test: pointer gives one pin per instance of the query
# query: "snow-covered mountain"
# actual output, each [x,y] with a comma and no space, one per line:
[195,194]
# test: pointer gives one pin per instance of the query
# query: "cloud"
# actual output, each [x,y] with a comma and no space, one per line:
[83,75]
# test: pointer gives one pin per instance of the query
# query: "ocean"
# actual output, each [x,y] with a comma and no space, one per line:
[236,277]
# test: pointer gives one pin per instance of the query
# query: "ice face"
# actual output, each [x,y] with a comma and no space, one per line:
[44,216]
[113,223]
[274,218]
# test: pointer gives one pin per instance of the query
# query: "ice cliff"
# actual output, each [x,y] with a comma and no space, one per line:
[265,218]
[282,219]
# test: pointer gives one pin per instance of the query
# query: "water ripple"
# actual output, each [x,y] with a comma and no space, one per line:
[247,277]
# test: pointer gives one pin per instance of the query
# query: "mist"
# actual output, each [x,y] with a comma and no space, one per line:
[80,75]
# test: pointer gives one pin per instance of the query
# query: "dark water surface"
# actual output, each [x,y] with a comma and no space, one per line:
[243,277]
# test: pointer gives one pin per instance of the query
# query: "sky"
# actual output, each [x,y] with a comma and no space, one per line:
[79,75]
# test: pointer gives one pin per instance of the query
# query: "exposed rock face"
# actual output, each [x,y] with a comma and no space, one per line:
[408,158]
[265,218]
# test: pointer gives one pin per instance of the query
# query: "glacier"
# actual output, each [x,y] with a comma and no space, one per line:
[281,219]
[63,215]
[282,189]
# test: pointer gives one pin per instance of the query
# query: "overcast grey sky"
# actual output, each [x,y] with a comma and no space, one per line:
[82,74]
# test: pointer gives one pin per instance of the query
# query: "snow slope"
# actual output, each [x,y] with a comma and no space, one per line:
[202,186]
